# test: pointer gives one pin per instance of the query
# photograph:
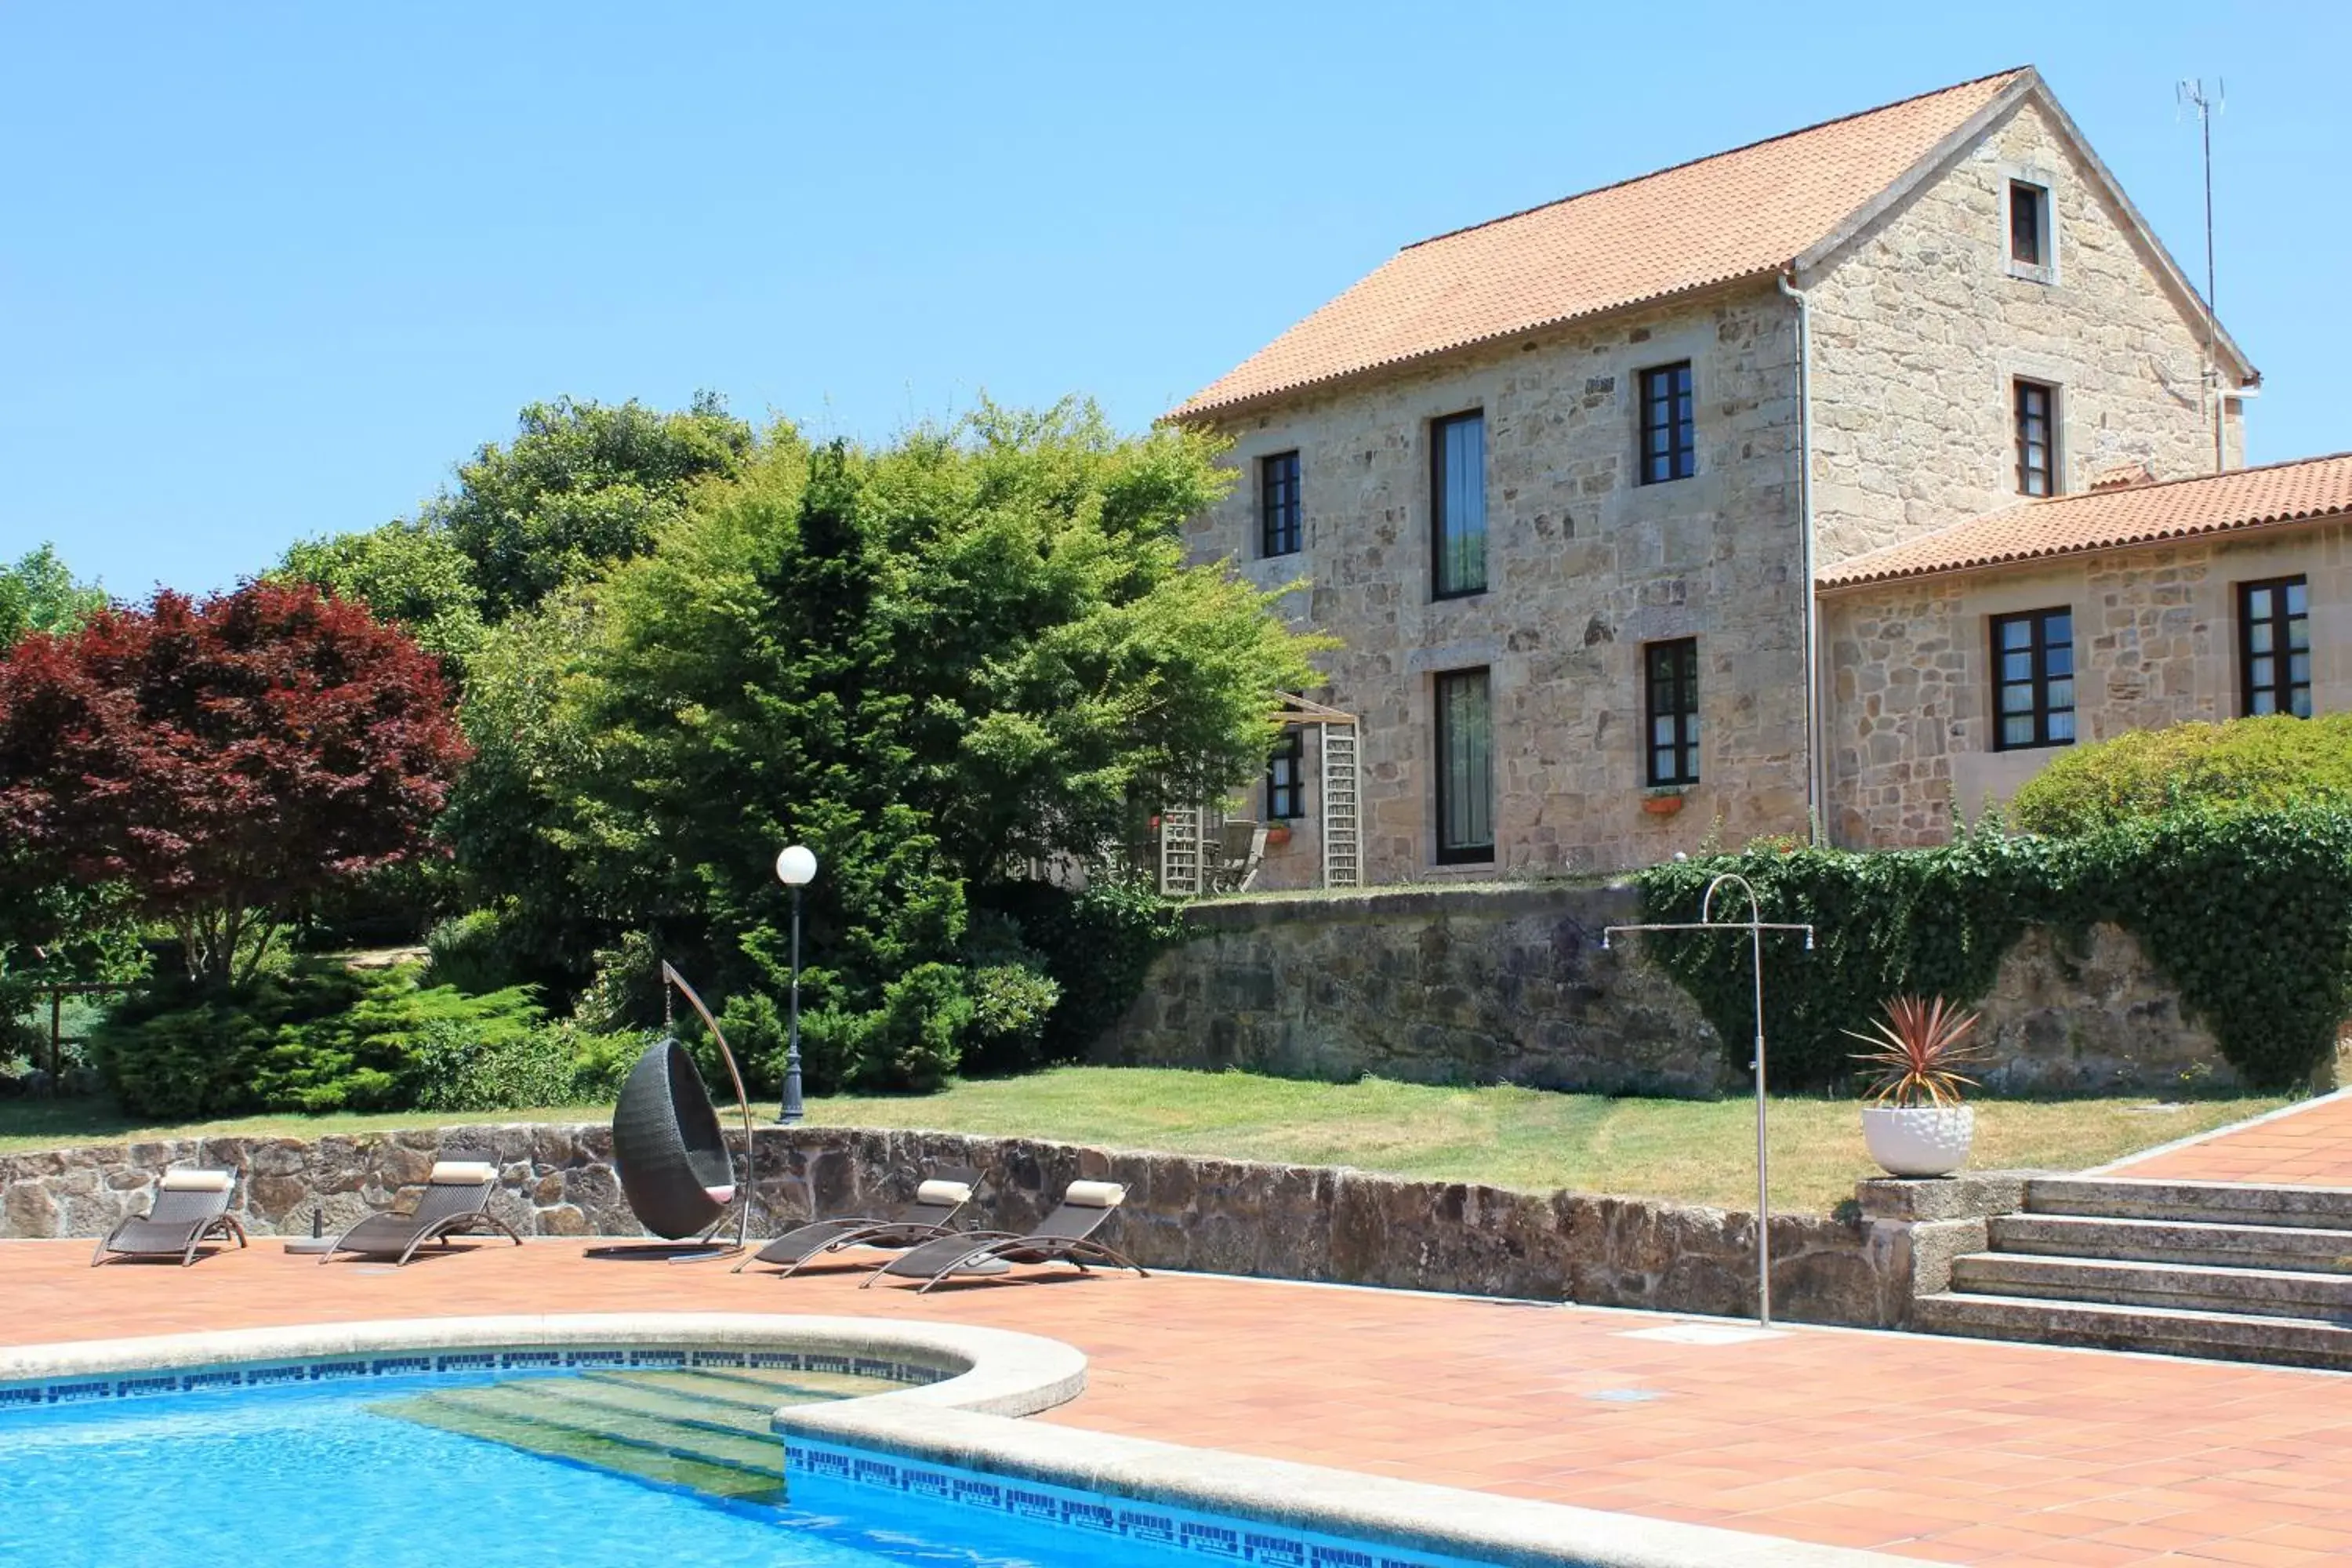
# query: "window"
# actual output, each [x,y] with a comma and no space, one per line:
[1285,775]
[2274,647]
[1465,768]
[2033,680]
[1672,681]
[1458,505]
[2037,444]
[1278,493]
[2029,224]
[1667,450]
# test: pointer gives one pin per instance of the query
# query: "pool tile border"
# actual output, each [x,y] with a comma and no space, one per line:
[35,1394]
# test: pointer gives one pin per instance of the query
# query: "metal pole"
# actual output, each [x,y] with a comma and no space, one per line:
[1763,1158]
[790,1113]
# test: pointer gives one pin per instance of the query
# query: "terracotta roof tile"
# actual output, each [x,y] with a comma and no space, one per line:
[1735,214]
[2105,519]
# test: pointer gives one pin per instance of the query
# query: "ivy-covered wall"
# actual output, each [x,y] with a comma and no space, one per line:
[2249,914]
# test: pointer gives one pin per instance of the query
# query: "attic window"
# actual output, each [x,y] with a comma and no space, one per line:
[2030,237]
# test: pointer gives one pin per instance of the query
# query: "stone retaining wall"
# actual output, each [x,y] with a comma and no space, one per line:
[1474,984]
[1214,1215]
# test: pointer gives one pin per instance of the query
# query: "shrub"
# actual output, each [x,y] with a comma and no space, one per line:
[2268,764]
[2248,913]
[1095,945]
[472,951]
[916,1040]
[317,1036]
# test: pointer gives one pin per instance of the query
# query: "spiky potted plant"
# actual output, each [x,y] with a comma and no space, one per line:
[1914,1122]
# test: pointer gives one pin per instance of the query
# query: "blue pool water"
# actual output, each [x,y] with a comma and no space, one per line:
[304,1475]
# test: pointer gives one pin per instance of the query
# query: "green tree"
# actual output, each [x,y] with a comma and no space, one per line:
[935,663]
[581,486]
[39,595]
[407,574]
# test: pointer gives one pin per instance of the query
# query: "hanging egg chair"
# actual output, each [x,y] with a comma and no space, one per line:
[668,1148]
[676,1174]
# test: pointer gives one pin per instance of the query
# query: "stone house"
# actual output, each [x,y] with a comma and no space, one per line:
[1563,483]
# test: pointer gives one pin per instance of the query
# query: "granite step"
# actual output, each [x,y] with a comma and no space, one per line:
[2222,1336]
[2220,1203]
[2268,1292]
[2209,1243]
[751,1418]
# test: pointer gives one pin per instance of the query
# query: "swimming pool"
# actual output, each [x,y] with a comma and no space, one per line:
[377,1468]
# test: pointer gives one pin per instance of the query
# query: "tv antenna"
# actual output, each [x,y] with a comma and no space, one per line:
[2191,94]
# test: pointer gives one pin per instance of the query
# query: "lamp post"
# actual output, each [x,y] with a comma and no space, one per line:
[796,868]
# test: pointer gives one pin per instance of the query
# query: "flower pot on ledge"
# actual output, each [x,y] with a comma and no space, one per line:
[1919,1140]
[1277,834]
[1661,804]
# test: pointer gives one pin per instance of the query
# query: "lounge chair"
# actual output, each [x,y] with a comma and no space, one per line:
[930,1216]
[191,1207]
[455,1201]
[1065,1236]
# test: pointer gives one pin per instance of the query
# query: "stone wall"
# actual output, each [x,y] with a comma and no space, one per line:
[1213,1215]
[1511,986]
[1920,328]
[1427,985]
[1584,565]
[1911,671]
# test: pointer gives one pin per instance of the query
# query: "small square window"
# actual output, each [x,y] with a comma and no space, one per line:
[1277,490]
[2029,224]
[1672,700]
[2274,647]
[1668,447]
[1286,772]
[2033,680]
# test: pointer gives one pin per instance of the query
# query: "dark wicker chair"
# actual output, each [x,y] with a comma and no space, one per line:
[191,1207]
[1065,1236]
[668,1148]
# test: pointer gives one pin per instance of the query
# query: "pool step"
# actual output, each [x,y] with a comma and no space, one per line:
[762,1387]
[729,1482]
[710,1435]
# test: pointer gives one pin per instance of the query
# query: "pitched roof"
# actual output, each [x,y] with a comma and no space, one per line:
[1740,213]
[2105,519]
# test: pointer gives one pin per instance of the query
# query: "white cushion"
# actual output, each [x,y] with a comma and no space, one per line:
[1096,1194]
[952,1193]
[198,1180]
[462,1173]
[720,1194]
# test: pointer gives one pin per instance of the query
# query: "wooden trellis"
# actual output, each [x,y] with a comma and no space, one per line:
[1191,835]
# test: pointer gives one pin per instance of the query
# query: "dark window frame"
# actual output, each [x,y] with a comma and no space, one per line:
[2037,206]
[2283,687]
[1280,529]
[2023,418]
[2038,680]
[1450,853]
[1668,406]
[1439,588]
[1286,800]
[1669,690]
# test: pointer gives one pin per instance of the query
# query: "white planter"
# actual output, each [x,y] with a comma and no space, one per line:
[1919,1140]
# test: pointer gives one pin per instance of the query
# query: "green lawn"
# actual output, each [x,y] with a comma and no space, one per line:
[1699,1151]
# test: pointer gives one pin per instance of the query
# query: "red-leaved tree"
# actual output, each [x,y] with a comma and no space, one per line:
[226,760]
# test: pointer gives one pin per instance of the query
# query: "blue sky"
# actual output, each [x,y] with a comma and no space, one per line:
[271,272]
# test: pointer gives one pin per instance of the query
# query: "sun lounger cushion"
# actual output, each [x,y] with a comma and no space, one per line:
[462,1173]
[949,1194]
[198,1181]
[720,1194]
[1095,1195]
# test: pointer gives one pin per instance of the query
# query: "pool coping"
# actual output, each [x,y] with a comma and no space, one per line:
[968,1420]
[993,1372]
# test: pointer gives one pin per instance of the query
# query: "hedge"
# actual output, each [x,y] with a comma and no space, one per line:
[2248,913]
[2271,763]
